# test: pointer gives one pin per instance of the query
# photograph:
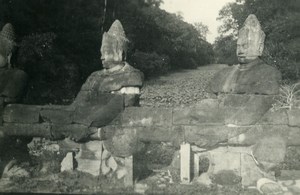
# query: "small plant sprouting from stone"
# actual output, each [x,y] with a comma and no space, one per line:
[288,95]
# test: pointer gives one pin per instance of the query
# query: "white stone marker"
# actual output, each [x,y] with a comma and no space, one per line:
[185,163]
[67,164]
[128,180]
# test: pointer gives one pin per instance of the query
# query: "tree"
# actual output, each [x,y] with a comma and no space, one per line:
[59,41]
[202,29]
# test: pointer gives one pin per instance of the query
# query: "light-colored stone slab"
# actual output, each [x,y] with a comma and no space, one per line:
[141,116]
[185,163]
[223,159]
[67,163]
[128,179]
[88,166]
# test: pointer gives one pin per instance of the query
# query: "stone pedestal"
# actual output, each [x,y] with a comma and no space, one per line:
[89,158]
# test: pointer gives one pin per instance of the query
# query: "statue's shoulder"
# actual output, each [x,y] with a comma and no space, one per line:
[267,70]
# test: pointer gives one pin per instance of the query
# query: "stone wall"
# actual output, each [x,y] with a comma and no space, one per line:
[205,124]
[210,122]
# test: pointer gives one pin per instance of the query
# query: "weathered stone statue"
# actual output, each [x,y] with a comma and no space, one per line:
[12,81]
[245,94]
[114,87]
[252,75]
[7,44]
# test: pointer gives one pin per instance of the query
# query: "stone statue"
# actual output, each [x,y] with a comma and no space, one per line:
[252,75]
[246,93]
[116,86]
[12,81]
[7,44]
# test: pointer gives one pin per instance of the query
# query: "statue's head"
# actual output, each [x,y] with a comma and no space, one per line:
[114,45]
[250,44]
[7,42]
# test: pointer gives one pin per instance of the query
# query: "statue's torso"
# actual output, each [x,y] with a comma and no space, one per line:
[255,78]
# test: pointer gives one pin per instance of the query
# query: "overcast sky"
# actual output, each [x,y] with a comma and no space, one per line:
[205,11]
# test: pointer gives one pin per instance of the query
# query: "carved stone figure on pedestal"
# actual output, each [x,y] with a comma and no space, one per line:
[117,85]
[245,93]
[12,81]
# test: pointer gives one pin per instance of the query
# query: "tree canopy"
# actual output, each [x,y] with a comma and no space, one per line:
[279,20]
[59,41]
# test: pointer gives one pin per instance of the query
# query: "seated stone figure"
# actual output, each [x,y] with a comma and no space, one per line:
[12,81]
[116,86]
[252,75]
[101,99]
[249,87]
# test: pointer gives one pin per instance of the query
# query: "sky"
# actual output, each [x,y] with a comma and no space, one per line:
[205,11]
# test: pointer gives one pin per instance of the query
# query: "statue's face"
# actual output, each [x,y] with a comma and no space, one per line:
[250,44]
[111,52]
[107,55]
[248,48]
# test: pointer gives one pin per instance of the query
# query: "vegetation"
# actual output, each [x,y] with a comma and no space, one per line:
[59,41]
[279,20]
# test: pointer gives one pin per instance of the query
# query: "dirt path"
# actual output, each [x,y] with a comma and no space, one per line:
[179,88]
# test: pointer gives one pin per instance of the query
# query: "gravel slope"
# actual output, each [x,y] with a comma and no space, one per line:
[185,87]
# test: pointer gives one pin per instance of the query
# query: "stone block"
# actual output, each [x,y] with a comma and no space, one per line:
[75,131]
[205,135]
[294,117]
[124,142]
[161,134]
[142,116]
[270,151]
[250,172]
[278,117]
[291,135]
[57,116]
[97,110]
[185,163]
[223,159]
[19,113]
[128,179]
[90,158]
[91,150]
[235,100]
[246,110]
[88,166]
[234,131]
[198,115]
[67,163]
[27,130]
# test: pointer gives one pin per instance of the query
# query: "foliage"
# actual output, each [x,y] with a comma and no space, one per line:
[202,29]
[225,50]
[151,63]
[279,20]
[60,41]
[289,94]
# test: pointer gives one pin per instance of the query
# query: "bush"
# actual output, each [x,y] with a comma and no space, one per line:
[151,64]
[53,77]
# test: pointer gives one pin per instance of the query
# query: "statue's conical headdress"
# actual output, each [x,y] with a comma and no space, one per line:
[253,34]
[115,41]
[8,32]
